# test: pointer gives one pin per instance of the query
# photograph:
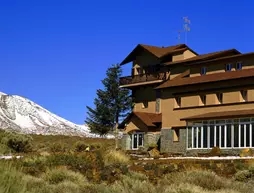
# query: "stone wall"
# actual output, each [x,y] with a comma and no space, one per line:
[149,139]
[125,142]
[152,139]
[168,145]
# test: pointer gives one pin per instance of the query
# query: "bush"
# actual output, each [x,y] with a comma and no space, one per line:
[243,175]
[215,151]
[205,179]
[57,148]
[115,157]
[4,149]
[59,175]
[34,165]
[246,152]
[80,146]
[17,142]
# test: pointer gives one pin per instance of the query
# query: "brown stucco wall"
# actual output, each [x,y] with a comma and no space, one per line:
[145,94]
[216,67]
[191,105]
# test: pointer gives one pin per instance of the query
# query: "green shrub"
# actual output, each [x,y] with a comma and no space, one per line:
[243,175]
[95,146]
[4,149]
[17,142]
[57,147]
[80,146]
[246,152]
[34,165]
[11,179]
[116,157]
[57,175]
[205,179]
[215,151]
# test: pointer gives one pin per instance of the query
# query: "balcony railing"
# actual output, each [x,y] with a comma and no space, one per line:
[142,78]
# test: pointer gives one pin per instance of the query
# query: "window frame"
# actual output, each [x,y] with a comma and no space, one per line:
[203,70]
[228,69]
[236,67]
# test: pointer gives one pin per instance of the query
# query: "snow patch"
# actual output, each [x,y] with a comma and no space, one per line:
[22,114]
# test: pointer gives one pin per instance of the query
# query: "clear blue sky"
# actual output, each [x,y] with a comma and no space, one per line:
[56,52]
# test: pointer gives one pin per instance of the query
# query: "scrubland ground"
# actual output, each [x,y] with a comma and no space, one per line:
[53,164]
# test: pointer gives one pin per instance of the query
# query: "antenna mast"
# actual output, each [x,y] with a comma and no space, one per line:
[179,36]
[186,27]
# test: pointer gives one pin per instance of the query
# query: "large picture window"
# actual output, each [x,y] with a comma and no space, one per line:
[235,133]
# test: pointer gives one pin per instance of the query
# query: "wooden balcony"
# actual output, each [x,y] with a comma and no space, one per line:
[130,80]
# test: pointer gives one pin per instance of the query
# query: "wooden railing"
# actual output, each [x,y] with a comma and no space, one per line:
[142,78]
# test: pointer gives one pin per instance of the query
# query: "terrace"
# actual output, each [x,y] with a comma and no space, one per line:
[141,79]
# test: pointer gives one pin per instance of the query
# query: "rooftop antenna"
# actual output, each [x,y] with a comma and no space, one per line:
[186,27]
[179,36]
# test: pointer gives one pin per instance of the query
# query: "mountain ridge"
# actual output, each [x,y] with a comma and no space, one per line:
[23,115]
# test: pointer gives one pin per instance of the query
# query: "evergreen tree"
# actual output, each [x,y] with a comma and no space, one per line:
[111,104]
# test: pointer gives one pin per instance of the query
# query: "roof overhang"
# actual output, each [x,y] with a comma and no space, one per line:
[141,83]
[221,115]
[209,78]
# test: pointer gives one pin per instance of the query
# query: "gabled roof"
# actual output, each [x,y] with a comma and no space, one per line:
[156,51]
[207,78]
[205,57]
[149,119]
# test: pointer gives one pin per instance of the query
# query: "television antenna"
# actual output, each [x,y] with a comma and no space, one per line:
[186,29]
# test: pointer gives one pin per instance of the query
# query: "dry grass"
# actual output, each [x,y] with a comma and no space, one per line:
[115,157]
[59,164]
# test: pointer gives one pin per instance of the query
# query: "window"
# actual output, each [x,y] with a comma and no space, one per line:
[178,101]
[137,140]
[203,99]
[145,104]
[228,67]
[176,135]
[239,66]
[224,134]
[203,71]
[244,95]
[220,97]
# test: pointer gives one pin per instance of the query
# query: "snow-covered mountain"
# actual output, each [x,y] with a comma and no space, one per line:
[22,115]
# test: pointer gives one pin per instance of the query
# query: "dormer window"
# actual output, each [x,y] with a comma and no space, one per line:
[203,71]
[228,67]
[239,66]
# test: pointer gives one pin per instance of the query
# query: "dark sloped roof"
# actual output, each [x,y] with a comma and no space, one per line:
[204,57]
[149,119]
[156,51]
[207,78]
[221,115]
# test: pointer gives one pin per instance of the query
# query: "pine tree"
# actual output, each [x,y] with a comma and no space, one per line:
[111,104]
